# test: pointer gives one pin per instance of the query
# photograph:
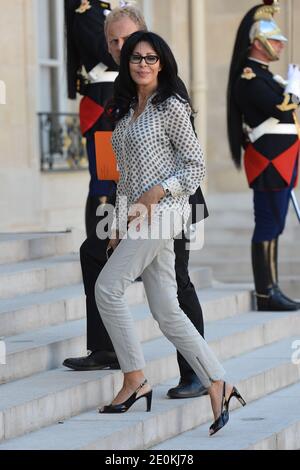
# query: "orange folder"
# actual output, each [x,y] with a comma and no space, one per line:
[106,163]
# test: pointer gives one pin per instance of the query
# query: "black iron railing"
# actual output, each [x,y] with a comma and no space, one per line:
[62,146]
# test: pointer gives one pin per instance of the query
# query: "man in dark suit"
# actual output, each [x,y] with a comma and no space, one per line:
[262,119]
[119,25]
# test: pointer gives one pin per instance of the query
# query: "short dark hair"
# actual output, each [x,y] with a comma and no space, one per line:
[169,83]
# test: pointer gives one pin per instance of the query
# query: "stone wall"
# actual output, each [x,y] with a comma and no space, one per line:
[28,199]
[18,175]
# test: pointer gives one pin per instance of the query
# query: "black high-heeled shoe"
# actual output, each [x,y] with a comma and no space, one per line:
[220,422]
[123,407]
[224,416]
[234,393]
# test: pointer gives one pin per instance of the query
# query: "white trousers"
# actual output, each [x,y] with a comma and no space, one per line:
[153,259]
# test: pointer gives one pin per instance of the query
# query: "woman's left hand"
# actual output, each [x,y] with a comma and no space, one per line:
[149,200]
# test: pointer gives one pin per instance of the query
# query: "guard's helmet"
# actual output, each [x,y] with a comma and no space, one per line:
[265,28]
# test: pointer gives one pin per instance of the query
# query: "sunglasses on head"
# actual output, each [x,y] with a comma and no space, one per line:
[150,59]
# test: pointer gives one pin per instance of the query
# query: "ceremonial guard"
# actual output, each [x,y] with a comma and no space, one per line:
[262,120]
[91,73]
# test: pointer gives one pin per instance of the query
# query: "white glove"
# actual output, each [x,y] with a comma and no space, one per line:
[293,86]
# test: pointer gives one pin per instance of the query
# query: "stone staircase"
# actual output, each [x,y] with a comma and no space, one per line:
[227,243]
[46,406]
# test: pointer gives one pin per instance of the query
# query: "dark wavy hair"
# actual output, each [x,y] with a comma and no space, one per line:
[234,115]
[169,83]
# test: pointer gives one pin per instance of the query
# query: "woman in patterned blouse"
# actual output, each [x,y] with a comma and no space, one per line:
[161,164]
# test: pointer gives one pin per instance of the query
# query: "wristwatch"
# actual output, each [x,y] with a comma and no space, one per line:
[166,189]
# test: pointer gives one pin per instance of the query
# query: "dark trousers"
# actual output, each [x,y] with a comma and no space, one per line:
[270,211]
[187,297]
[91,207]
[93,259]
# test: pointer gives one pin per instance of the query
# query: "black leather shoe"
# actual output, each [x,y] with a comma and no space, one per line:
[295,302]
[96,360]
[275,301]
[188,387]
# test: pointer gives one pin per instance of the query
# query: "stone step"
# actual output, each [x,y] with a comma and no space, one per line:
[238,234]
[27,277]
[242,213]
[225,267]
[16,247]
[38,275]
[290,285]
[201,276]
[52,307]
[270,423]
[46,348]
[242,221]
[240,201]
[38,310]
[63,393]
[242,250]
[256,374]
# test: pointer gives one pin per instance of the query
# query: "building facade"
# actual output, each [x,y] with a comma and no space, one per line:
[33,81]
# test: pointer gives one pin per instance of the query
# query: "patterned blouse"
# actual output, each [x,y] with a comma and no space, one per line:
[160,146]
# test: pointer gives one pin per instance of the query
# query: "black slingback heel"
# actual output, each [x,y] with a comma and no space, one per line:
[220,422]
[224,416]
[234,393]
[123,407]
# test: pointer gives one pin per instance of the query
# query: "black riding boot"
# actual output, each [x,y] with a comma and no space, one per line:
[274,254]
[264,264]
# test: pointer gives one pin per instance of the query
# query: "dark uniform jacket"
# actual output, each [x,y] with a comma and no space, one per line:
[86,45]
[271,160]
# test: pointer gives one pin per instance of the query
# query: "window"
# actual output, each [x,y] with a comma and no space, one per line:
[61,143]
[52,75]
